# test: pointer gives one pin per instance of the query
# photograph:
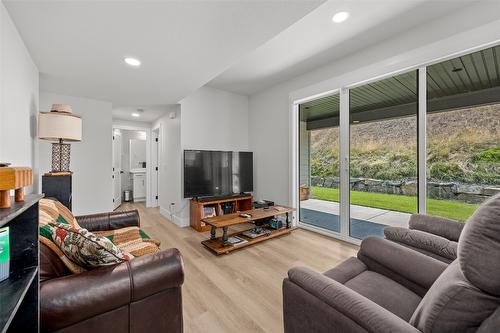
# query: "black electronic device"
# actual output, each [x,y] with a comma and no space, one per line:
[210,173]
[263,204]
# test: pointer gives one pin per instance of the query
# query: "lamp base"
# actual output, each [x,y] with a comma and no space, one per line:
[60,157]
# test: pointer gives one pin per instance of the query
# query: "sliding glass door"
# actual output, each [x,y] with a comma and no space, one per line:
[425,141]
[383,154]
[319,163]
[463,133]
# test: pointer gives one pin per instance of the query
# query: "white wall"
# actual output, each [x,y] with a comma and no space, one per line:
[170,164]
[214,119]
[270,111]
[90,158]
[18,99]
[209,119]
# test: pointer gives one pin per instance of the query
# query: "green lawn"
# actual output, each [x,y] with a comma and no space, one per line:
[454,210]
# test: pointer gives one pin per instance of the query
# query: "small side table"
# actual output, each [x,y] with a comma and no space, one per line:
[58,186]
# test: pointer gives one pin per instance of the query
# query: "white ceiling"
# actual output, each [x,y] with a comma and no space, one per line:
[150,112]
[315,40]
[79,46]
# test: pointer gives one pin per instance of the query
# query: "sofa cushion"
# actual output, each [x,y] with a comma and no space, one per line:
[423,240]
[386,293]
[453,304]
[479,247]
[85,248]
[51,266]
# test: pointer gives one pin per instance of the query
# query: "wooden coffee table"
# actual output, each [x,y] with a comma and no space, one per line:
[220,245]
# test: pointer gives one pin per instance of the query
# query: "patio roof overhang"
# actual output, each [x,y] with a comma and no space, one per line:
[470,80]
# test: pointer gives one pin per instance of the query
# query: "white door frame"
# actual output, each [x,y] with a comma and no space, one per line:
[155,167]
[146,129]
[116,174]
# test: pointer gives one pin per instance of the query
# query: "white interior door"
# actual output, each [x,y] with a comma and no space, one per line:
[117,167]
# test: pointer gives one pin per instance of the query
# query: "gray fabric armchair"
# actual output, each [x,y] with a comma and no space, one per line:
[434,236]
[391,288]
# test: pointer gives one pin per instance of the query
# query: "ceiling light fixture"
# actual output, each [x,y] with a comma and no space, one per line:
[340,17]
[132,62]
[135,115]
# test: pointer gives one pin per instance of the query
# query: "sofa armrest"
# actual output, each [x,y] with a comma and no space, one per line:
[400,263]
[428,242]
[74,298]
[440,226]
[109,221]
[357,308]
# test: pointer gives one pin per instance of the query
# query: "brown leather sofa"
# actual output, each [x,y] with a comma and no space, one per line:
[141,295]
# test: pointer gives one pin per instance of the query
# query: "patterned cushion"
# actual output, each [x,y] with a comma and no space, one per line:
[132,240]
[52,211]
[85,248]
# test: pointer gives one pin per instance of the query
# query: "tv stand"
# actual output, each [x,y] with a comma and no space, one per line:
[236,203]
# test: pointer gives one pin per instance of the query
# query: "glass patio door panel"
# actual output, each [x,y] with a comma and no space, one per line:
[383,154]
[319,163]
[463,133]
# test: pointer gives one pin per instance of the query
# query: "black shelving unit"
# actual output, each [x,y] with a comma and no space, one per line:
[58,187]
[19,294]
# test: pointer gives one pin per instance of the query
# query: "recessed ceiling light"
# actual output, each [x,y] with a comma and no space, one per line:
[135,115]
[340,17]
[132,62]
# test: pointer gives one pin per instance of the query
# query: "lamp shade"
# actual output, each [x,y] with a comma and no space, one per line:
[59,126]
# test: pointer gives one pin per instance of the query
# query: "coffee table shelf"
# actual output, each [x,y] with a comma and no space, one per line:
[216,244]
[220,245]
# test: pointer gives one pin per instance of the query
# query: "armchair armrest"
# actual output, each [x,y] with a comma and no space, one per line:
[440,226]
[413,269]
[73,298]
[109,221]
[357,308]
[436,245]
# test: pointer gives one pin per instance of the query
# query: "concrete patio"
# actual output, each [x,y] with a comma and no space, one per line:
[365,221]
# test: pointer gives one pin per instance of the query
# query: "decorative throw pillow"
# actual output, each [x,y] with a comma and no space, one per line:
[85,248]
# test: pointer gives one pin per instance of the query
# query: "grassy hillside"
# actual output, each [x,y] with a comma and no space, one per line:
[387,150]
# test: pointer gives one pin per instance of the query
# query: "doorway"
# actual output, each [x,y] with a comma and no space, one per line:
[131,165]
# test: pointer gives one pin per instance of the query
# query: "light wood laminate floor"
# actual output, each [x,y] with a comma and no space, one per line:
[239,292]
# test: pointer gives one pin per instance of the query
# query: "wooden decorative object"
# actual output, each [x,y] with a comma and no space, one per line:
[15,178]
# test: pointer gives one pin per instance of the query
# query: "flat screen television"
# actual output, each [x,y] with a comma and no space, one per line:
[217,173]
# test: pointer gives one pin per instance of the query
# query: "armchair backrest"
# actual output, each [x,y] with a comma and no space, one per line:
[468,292]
